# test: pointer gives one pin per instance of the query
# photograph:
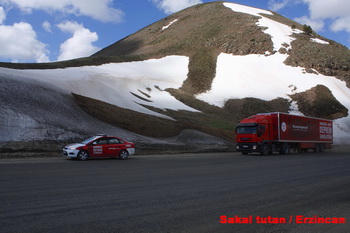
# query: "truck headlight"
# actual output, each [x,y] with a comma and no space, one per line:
[254,147]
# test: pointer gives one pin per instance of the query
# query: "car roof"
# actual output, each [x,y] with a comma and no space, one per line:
[105,136]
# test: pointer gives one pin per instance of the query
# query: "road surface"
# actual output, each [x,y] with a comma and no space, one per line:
[176,193]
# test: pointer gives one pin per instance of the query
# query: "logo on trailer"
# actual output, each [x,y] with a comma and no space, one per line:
[284,126]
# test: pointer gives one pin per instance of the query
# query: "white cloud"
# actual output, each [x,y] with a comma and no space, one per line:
[80,44]
[100,10]
[341,24]
[328,8]
[2,15]
[317,25]
[274,5]
[47,26]
[171,6]
[70,26]
[335,10]
[19,43]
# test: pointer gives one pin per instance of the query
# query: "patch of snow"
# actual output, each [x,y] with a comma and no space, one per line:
[167,26]
[316,40]
[114,82]
[260,77]
[246,9]
[294,108]
[12,124]
[280,33]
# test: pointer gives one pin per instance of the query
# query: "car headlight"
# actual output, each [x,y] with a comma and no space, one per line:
[75,148]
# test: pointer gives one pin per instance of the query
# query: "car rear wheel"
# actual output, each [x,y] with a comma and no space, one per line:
[124,154]
[83,155]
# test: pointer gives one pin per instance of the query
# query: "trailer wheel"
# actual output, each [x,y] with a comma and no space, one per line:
[264,149]
[321,147]
[285,149]
[270,150]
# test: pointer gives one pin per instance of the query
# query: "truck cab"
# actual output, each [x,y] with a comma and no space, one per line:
[253,133]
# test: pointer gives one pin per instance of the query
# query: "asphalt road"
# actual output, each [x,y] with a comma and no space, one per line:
[175,193]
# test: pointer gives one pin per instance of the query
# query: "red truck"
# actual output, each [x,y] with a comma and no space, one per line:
[266,133]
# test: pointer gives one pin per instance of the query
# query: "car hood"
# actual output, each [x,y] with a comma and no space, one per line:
[75,145]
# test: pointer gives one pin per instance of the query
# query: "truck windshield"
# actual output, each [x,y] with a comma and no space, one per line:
[246,130]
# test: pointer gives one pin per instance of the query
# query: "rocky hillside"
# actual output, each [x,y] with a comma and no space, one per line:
[184,80]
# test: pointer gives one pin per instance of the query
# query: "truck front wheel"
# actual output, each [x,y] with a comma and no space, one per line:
[264,149]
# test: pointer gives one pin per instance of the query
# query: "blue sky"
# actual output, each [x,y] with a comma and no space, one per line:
[54,30]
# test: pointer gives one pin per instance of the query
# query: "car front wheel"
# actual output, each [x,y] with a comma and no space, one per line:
[124,154]
[83,155]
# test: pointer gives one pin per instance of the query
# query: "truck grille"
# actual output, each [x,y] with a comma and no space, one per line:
[246,139]
[245,146]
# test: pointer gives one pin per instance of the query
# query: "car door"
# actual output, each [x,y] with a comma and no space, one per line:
[99,148]
[114,147]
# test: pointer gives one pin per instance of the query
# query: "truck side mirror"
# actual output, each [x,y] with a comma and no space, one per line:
[261,131]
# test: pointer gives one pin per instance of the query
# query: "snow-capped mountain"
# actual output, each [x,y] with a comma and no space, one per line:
[202,68]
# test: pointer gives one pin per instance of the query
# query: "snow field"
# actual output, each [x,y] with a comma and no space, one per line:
[114,82]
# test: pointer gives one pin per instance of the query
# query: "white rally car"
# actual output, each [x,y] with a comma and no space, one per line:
[100,146]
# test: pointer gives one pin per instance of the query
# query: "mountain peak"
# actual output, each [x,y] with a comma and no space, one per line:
[204,31]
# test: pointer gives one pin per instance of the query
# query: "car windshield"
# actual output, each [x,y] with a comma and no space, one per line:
[246,130]
[90,140]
